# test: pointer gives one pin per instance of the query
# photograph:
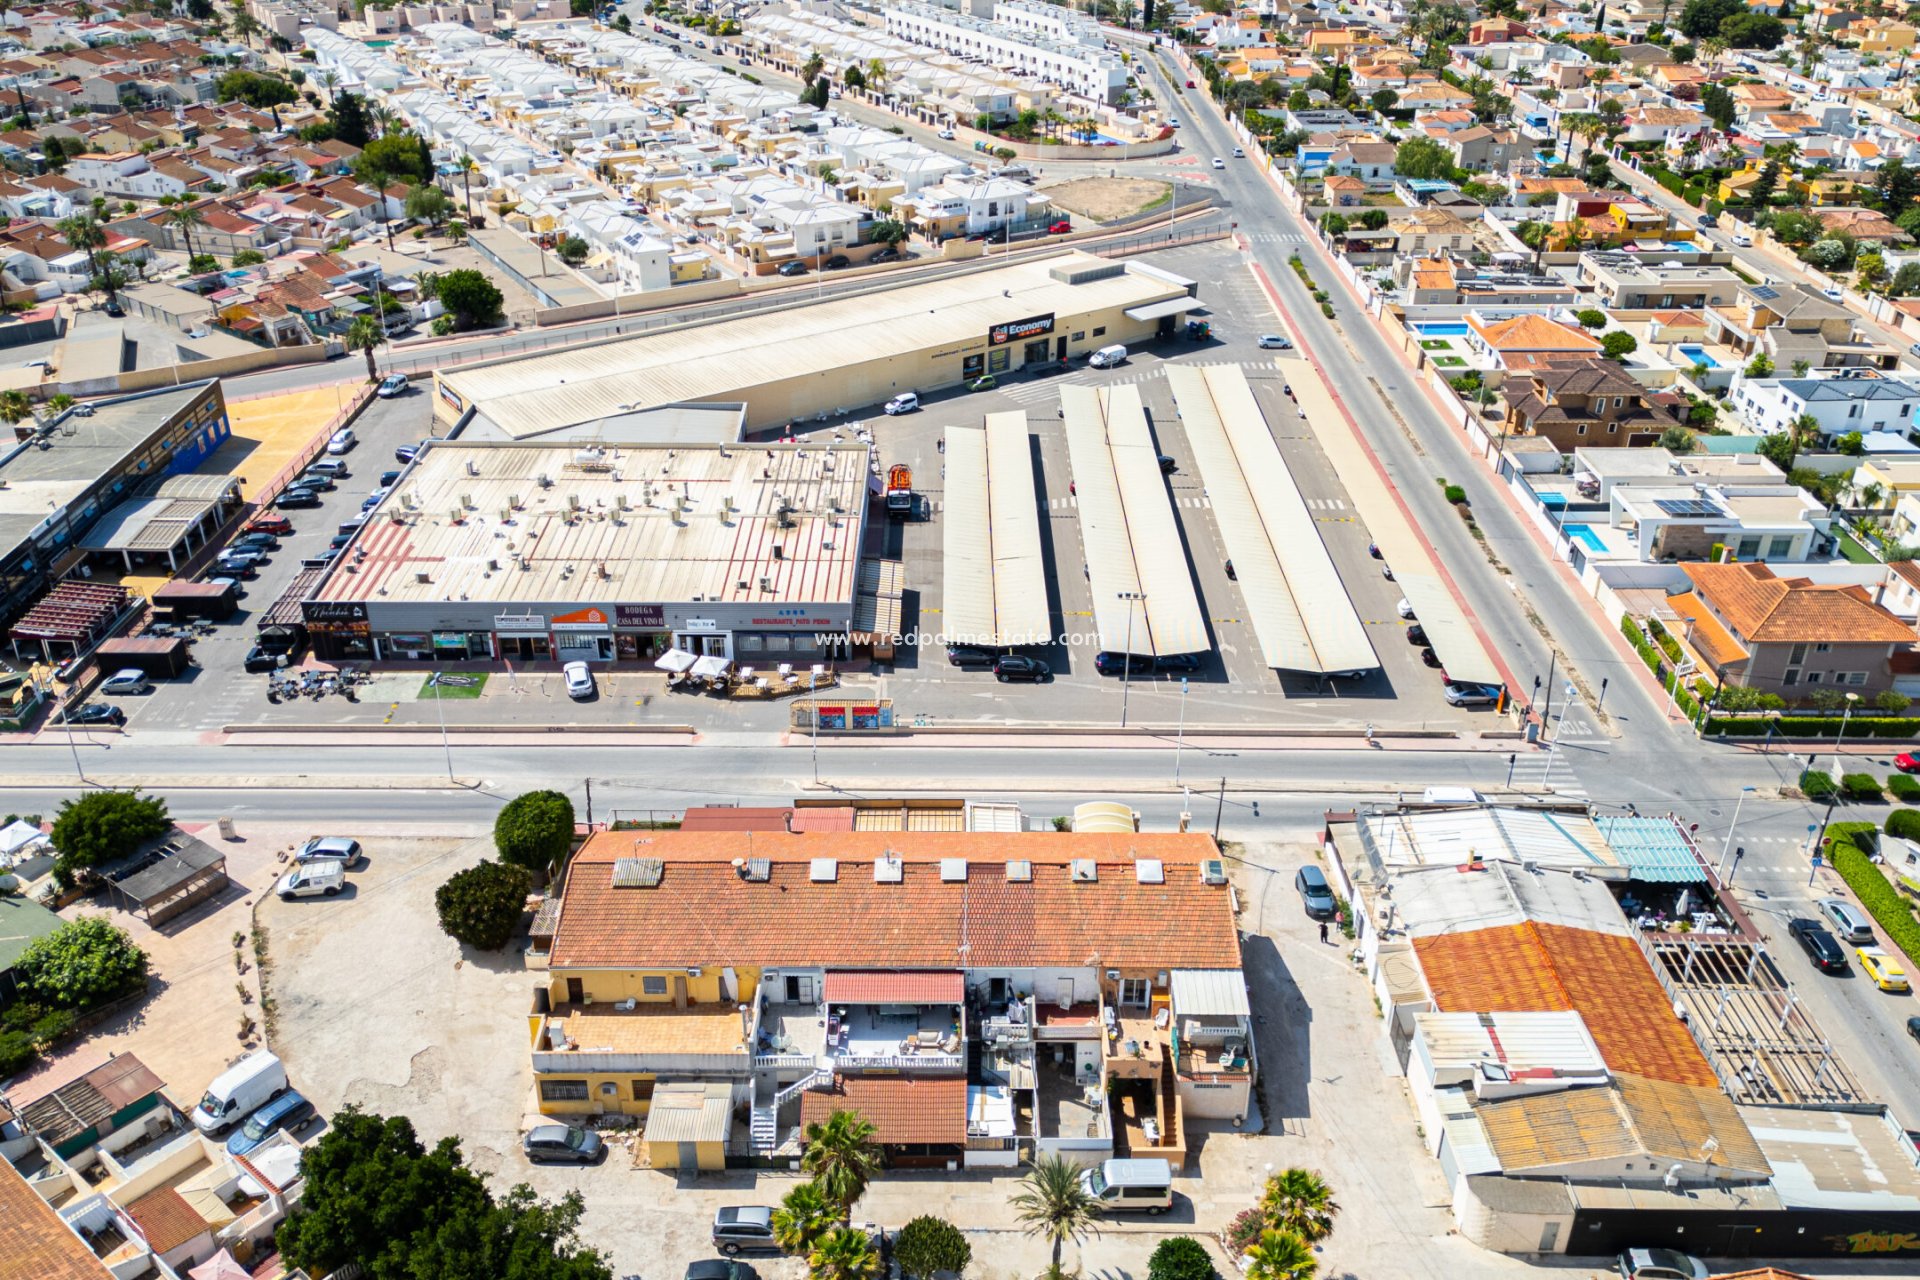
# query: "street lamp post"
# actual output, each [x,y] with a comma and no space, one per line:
[1126,659]
[813,696]
[446,744]
[1845,715]
[1180,741]
[1728,842]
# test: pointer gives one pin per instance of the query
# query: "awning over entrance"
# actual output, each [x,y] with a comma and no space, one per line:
[1217,993]
[1162,308]
[710,666]
[907,986]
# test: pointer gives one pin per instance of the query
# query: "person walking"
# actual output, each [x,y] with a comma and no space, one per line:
[1323,931]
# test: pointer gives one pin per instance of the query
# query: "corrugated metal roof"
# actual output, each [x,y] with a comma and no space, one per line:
[1132,541]
[1450,837]
[1654,849]
[966,601]
[1202,993]
[1300,608]
[1448,631]
[1019,573]
[690,1112]
[539,393]
[1519,1041]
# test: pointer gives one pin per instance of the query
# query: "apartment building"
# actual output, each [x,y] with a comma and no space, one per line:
[981,997]
[1087,70]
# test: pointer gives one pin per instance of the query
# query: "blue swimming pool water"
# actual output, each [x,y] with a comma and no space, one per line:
[1553,501]
[1585,536]
[1441,330]
[1698,355]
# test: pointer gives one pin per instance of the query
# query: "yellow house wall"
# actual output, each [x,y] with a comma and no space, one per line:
[623,1102]
[606,986]
[711,1156]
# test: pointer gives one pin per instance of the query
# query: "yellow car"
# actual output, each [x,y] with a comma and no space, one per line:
[1878,965]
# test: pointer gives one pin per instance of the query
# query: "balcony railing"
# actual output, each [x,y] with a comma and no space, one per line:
[784,1061]
[902,1061]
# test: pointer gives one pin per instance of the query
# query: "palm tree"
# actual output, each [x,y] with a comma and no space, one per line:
[14,406]
[329,80]
[184,217]
[1714,48]
[467,166]
[61,403]
[804,1216]
[364,334]
[1300,1201]
[1053,1205]
[1281,1255]
[843,1254]
[842,1158]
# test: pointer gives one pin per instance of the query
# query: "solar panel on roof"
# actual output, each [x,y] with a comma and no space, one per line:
[1686,506]
[637,873]
[1765,292]
[760,869]
[1019,871]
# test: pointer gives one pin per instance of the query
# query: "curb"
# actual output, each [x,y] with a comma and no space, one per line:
[240,782]
[407,730]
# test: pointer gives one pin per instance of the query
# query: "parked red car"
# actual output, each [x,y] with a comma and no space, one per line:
[270,523]
[1906,762]
[1060,228]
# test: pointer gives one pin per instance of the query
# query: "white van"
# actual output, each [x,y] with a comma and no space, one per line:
[239,1091]
[1130,1186]
[1108,357]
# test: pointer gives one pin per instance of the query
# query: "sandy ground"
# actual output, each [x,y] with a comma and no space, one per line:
[1108,199]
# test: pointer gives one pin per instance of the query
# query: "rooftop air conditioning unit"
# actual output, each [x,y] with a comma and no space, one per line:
[573,502]
[472,470]
[766,582]
[544,480]
[423,577]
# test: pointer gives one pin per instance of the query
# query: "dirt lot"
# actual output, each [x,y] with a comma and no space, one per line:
[1109,199]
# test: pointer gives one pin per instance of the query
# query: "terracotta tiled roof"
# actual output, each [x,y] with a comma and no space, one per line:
[1604,977]
[1762,607]
[1714,642]
[704,911]
[903,1109]
[166,1219]
[35,1242]
[1534,333]
[911,986]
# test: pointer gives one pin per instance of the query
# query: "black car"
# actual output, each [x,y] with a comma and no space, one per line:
[838,262]
[1416,634]
[971,657]
[1113,664]
[407,452]
[1167,465]
[254,542]
[1018,666]
[386,479]
[1822,948]
[720,1269]
[297,497]
[793,268]
[321,480]
[1179,664]
[885,255]
[1431,658]
[260,658]
[1913,1027]
[92,713]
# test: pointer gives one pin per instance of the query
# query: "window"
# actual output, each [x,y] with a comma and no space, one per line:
[1619,402]
[1781,546]
[642,1090]
[1582,430]
[563,1090]
[1853,411]
[1813,677]
[653,985]
[1749,548]
[1797,654]
[1823,647]
[1792,676]
[1101,332]
[1856,677]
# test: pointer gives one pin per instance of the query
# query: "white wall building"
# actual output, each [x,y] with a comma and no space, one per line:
[1855,400]
[1090,72]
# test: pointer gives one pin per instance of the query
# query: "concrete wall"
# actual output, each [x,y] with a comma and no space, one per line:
[637,303]
[192,371]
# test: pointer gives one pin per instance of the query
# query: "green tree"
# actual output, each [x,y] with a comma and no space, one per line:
[249,258]
[397,155]
[1590,318]
[348,115]
[810,69]
[1753,31]
[1618,346]
[184,217]
[1181,1258]
[842,1157]
[1281,1255]
[84,963]
[534,830]
[1372,219]
[1778,448]
[927,1245]
[1906,281]
[1795,228]
[843,1254]
[804,1215]
[103,825]
[83,231]
[1870,268]
[572,250]
[1300,1201]
[888,231]
[481,906]
[473,299]
[1333,224]
[1422,158]
[1701,19]
[1677,439]
[1760,366]
[364,334]
[854,77]
[521,1237]
[428,203]
[1828,255]
[1766,184]
[14,407]
[1052,1204]
[1895,187]
[261,92]
[1719,106]
[1384,100]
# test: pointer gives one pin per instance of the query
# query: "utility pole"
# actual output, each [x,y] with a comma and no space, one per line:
[589,804]
[1218,808]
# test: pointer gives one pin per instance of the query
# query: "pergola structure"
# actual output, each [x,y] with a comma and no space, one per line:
[75,614]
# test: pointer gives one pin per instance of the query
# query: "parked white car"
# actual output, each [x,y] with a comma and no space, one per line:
[579,679]
[336,849]
[905,402]
[312,880]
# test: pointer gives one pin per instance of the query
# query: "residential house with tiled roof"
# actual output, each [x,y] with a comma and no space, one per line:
[1591,402]
[1789,636]
[1095,980]
[1522,343]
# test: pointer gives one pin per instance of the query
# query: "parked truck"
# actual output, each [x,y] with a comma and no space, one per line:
[900,492]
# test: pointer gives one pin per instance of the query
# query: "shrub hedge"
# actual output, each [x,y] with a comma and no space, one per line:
[1862,787]
[1682,697]
[1815,726]
[1904,823]
[1816,784]
[1668,645]
[1903,788]
[1883,902]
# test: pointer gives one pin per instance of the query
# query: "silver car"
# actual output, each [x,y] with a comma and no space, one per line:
[562,1144]
[329,849]
[1274,342]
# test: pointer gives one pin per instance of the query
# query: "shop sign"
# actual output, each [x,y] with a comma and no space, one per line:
[640,615]
[451,396]
[1019,330]
[333,611]
[455,641]
[520,626]
[701,624]
[581,620]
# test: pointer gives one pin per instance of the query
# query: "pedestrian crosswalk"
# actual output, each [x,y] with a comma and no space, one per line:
[1275,237]
[1327,504]
[1548,769]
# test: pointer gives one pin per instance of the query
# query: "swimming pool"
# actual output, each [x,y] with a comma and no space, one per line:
[1441,330]
[1585,536]
[1698,355]
[1553,501]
